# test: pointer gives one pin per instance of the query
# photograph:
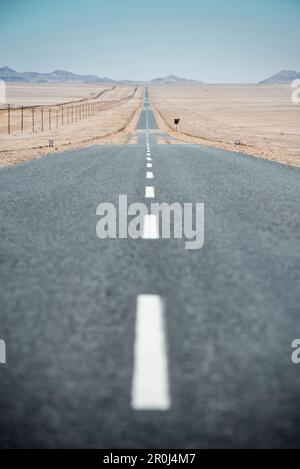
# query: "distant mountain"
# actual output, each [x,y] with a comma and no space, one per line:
[285,76]
[7,74]
[59,76]
[173,80]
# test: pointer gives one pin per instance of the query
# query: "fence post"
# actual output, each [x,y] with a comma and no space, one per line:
[42,118]
[8,119]
[62,115]
[49,116]
[33,120]
[22,119]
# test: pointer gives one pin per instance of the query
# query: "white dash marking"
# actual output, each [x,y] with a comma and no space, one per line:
[150,386]
[148,158]
[149,175]
[150,227]
[149,165]
[149,192]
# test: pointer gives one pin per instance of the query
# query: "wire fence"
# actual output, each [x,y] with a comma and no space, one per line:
[43,118]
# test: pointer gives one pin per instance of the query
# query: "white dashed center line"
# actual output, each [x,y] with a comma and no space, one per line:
[149,192]
[149,165]
[149,175]
[150,387]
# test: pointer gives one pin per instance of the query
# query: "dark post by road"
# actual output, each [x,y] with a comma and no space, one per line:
[176,122]
[49,117]
[8,119]
[42,119]
[62,115]
[56,117]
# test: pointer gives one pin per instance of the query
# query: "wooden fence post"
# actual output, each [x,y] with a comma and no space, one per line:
[22,119]
[8,119]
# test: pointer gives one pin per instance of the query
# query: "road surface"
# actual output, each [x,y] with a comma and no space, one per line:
[77,312]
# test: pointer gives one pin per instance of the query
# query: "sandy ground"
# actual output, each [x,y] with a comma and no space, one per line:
[32,94]
[114,122]
[262,119]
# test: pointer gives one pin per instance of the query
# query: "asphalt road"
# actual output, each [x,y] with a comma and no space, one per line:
[146,120]
[69,301]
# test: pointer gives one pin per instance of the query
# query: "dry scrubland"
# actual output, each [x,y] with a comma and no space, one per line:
[117,116]
[262,118]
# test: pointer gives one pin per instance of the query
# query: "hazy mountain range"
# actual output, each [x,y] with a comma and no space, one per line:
[285,76]
[59,76]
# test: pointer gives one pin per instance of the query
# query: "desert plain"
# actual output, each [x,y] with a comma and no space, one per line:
[258,120]
[116,110]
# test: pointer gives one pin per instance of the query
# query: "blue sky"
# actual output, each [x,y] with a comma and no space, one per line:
[210,40]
